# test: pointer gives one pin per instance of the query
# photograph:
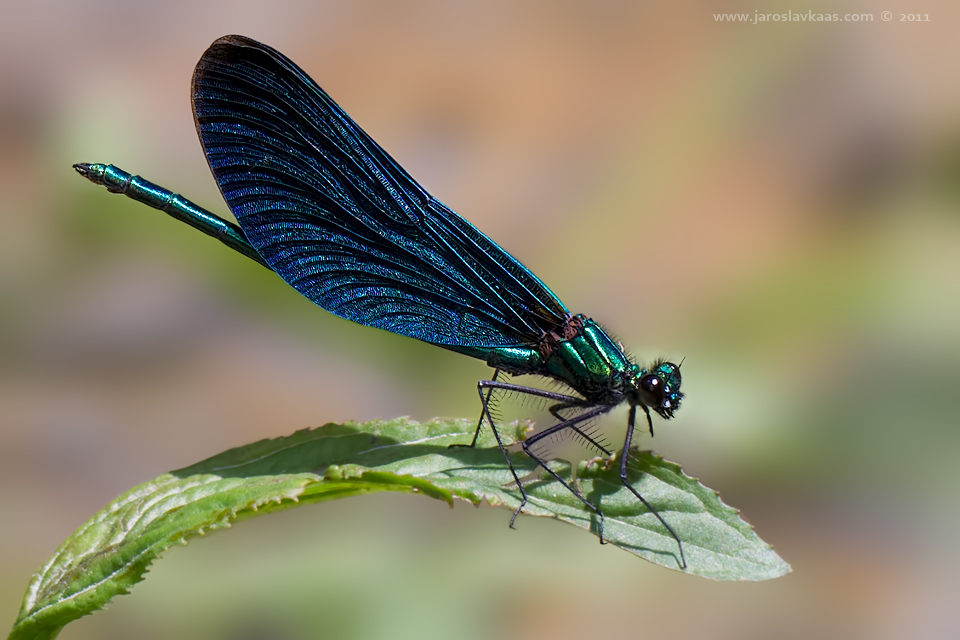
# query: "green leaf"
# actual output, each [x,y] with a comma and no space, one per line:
[112,550]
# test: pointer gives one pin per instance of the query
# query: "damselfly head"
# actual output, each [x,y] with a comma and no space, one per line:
[659,388]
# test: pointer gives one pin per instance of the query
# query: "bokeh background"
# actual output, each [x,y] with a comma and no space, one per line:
[777,202]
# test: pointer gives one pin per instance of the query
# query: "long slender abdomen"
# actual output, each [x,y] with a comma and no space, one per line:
[117,180]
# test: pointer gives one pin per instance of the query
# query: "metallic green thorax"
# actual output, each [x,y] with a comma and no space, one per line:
[590,362]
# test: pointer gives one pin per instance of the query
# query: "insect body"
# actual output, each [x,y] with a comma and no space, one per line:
[323,206]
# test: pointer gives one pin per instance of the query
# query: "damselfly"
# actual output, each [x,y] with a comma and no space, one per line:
[323,206]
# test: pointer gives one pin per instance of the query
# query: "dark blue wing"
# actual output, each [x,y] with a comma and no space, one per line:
[343,223]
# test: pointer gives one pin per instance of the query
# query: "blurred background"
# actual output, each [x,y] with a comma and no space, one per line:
[777,202]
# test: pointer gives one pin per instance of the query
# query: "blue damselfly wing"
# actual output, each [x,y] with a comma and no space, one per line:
[345,225]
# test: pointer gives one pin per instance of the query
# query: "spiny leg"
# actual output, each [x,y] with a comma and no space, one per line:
[596,411]
[563,402]
[623,477]
[484,403]
[485,409]
[555,412]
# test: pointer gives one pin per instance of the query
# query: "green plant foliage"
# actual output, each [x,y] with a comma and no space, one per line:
[112,550]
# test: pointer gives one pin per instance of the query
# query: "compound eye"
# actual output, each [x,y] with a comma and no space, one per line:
[650,383]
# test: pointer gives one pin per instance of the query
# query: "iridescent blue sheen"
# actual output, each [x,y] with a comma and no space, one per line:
[321,204]
[341,222]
